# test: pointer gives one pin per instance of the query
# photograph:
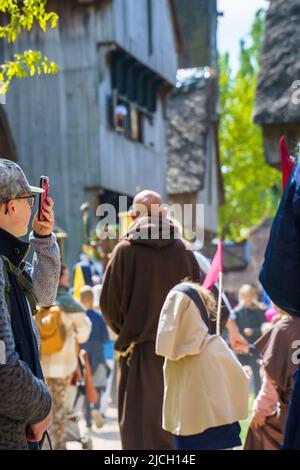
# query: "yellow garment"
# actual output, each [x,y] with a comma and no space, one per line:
[64,362]
[52,329]
[205,385]
[79,281]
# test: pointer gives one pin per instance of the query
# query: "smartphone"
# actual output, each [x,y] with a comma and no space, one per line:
[44,184]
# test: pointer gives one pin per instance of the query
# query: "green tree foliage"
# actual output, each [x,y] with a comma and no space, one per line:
[251,186]
[17,17]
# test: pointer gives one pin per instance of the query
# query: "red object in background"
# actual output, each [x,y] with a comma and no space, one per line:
[215,268]
[287,164]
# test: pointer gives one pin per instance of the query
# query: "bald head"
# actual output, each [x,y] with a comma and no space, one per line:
[147,202]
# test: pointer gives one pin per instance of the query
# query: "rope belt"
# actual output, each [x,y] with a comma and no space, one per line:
[128,352]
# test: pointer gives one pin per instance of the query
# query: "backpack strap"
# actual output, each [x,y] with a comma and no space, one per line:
[23,282]
[193,295]
[26,285]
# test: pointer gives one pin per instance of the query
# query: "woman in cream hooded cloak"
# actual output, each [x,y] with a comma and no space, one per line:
[205,386]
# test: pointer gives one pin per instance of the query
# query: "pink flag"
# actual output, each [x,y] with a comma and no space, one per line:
[287,164]
[215,268]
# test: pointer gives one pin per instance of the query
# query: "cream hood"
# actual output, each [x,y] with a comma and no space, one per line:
[181,330]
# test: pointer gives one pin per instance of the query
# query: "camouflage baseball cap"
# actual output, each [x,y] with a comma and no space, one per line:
[13,182]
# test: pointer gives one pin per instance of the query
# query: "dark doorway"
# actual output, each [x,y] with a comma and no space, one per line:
[111,197]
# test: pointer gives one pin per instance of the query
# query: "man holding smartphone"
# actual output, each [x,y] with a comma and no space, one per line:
[25,405]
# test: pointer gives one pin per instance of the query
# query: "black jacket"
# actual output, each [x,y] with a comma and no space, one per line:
[24,397]
[292,429]
[250,318]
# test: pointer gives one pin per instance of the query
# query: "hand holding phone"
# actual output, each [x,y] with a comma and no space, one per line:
[45,185]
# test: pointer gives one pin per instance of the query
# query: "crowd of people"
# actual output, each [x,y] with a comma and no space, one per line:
[171,364]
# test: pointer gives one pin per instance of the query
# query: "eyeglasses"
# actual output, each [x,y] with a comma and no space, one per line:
[31,200]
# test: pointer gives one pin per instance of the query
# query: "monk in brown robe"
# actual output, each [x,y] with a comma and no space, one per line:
[141,272]
[278,349]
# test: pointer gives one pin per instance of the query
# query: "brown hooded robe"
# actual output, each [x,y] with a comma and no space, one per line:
[140,274]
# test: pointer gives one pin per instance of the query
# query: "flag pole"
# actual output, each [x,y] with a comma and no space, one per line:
[219,303]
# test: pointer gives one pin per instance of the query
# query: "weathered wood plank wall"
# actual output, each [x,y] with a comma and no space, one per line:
[59,124]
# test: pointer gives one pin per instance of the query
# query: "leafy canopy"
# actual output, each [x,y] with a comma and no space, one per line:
[18,17]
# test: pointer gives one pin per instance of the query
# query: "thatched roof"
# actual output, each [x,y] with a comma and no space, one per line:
[186,132]
[280,65]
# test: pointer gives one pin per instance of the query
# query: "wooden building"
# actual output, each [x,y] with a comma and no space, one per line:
[97,129]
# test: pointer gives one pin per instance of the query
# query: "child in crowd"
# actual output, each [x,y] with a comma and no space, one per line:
[95,349]
[206,389]
[250,318]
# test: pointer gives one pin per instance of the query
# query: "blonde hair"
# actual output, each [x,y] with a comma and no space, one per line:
[207,298]
[249,289]
[86,294]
